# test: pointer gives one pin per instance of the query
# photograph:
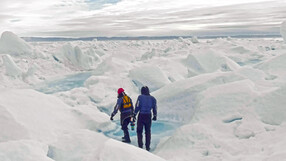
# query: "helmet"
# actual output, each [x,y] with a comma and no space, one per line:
[120,90]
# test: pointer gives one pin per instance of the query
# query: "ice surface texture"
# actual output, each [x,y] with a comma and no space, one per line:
[218,99]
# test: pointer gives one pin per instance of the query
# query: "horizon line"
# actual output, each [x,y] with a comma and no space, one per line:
[102,38]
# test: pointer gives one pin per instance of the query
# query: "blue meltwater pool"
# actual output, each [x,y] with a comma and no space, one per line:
[65,83]
[159,130]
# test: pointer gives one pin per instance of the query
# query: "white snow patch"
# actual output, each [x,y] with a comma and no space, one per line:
[12,129]
[275,66]
[271,106]
[88,145]
[24,150]
[41,116]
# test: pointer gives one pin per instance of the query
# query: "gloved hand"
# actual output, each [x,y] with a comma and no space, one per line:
[154,118]
[111,117]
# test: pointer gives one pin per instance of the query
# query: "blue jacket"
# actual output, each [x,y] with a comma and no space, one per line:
[146,103]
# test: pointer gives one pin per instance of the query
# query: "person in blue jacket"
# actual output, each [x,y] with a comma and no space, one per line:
[125,106]
[145,103]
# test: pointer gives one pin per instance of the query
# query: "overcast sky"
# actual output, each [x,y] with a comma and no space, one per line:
[87,18]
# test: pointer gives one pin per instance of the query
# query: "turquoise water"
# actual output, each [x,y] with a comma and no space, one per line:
[63,84]
[159,129]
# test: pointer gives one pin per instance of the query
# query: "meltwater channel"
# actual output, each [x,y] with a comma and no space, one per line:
[159,129]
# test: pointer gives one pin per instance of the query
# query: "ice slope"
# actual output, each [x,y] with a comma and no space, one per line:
[150,76]
[75,57]
[11,67]
[12,44]
[233,119]
[275,67]
[232,122]
[271,106]
[179,100]
[207,61]
[24,150]
[42,116]
[37,126]
[87,145]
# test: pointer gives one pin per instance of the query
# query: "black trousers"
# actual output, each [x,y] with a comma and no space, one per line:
[124,127]
[144,121]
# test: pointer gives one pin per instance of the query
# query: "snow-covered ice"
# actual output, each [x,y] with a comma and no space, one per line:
[150,76]
[218,99]
[12,44]
[11,68]
[283,30]
[75,57]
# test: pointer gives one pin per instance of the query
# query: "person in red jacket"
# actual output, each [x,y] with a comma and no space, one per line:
[125,106]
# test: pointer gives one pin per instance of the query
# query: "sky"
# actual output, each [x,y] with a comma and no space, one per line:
[115,18]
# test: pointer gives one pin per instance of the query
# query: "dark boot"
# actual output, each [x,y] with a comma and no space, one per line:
[148,132]
[140,141]
[126,137]
[126,141]
[147,148]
